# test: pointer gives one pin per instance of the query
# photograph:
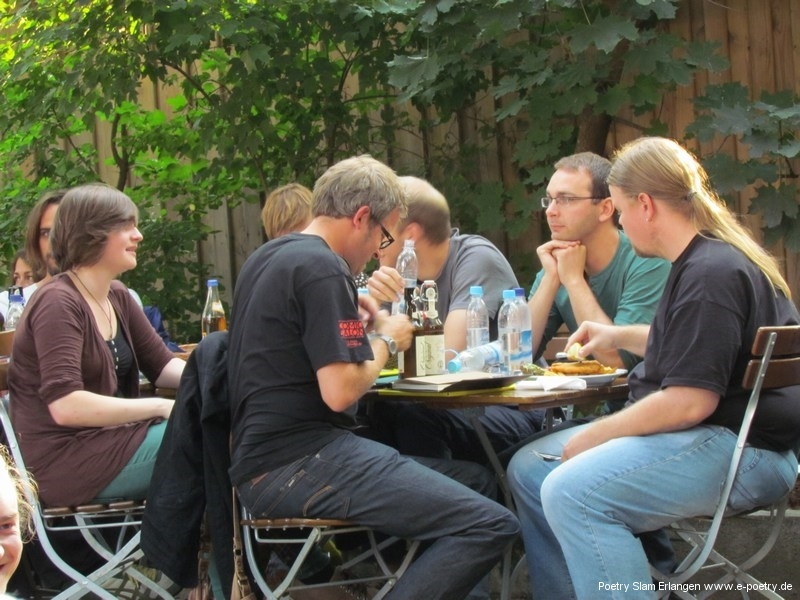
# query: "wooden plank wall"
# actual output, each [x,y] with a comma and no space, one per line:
[760,37]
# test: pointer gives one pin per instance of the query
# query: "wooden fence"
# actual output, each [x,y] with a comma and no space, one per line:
[761,39]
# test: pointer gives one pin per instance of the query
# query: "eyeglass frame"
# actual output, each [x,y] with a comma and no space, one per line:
[564,200]
[389,239]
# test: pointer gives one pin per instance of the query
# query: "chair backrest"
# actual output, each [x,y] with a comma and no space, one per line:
[775,363]
[783,367]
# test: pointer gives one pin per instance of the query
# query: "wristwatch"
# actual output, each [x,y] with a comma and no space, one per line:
[390,343]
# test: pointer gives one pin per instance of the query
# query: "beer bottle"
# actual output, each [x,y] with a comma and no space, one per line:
[213,317]
[430,342]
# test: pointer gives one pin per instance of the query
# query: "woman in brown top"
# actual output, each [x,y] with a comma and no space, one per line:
[78,350]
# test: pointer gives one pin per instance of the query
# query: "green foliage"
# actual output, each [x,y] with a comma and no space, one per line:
[769,130]
[261,93]
[259,97]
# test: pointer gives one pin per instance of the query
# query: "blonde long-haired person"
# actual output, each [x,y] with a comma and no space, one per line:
[661,456]
[78,350]
[15,522]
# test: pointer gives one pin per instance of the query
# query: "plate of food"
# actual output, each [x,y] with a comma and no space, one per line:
[570,364]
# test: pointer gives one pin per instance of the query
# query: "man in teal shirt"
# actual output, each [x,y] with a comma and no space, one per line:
[589,269]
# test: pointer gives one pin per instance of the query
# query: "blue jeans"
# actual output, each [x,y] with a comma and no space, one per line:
[579,518]
[371,484]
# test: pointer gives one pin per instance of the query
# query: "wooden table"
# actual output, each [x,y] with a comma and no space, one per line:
[523,400]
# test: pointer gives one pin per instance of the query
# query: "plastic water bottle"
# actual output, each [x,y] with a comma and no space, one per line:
[478,358]
[477,319]
[408,267]
[525,332]
[409,361]
[508,330]
[15,305]
[213,317]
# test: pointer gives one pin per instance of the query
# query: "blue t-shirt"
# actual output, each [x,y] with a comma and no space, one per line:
[628,291]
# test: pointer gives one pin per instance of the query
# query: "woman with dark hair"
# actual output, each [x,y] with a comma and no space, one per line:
[78,350]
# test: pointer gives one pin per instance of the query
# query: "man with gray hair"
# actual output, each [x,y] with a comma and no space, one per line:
[304,347]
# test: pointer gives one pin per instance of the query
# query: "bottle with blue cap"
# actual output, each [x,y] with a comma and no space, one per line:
[525,332]
[477,318]
[508,329]
[213,317]
[479,358]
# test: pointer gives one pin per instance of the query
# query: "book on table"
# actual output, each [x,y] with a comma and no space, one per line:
[453,382]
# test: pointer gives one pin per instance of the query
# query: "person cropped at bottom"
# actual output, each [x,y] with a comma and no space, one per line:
[304,347]
[641,468]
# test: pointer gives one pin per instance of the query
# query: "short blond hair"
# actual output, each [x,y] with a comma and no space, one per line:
[287,209]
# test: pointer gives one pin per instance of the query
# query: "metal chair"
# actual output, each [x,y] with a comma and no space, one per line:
[775,364]
[303,535]
[121,518]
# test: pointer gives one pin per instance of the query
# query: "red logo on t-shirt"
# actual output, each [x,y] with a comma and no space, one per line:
[352,332]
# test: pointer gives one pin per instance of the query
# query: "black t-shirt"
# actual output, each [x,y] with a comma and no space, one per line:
[294,311]
[714,301]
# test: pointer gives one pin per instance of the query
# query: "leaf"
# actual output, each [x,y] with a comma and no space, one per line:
[775,204]
[605,33]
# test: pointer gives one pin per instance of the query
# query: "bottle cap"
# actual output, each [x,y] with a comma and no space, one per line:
[509,294]
[476,290]
[454,365]
[363,292]
[213,282]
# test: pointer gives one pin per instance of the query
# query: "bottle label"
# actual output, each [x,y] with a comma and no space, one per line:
[526,346]
[432,351]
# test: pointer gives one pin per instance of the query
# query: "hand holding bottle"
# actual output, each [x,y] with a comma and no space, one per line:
[386,285]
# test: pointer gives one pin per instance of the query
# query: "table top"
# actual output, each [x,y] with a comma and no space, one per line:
[524,399]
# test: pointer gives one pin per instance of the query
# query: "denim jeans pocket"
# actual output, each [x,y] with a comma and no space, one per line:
[763,478]
[294,490]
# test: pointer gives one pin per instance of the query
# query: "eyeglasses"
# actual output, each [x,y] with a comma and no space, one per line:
[44,232]
[563,200]
[386,238]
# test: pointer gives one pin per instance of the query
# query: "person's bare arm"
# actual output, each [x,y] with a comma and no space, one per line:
[571,269]
[170,375]
[87,409]
[341,383]
[596,337]
[455,330]
[670,409]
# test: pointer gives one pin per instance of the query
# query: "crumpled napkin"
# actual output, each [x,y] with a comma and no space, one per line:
[552,382]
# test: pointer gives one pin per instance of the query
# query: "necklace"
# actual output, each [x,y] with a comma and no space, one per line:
[107,315]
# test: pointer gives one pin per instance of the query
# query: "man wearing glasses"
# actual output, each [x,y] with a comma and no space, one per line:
[303,348]
[589,271]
